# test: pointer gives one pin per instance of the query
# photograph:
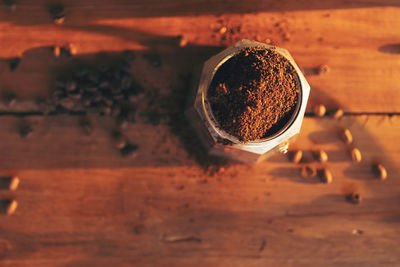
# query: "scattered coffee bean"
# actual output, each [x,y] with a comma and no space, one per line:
[72,49]
[337,114]
[346,136]
[10,99]
[67,103]
[11,207]
[56,51]
[223,30]
[323,69]
[57,13]
[321,155]
[14,183]
[59,21]
[129,150]
[308,171]
[296,156]
[325,175]
[183,41]
[14,63]
[354,198]
[355,154]
[380,171]
[25,130]
[319,110]
[120,142]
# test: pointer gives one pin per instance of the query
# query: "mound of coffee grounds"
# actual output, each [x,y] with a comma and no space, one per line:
[254,93]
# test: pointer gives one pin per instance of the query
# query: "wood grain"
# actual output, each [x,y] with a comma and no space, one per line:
[80,203]
[88,206]
[357,44]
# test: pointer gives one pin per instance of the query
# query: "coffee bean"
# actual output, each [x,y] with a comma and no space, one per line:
[308,171]
[354,198]
[337,114]
[11,207]
[380,171]
[120,142]
[182,41]
[321,155]
[25,130]
[56,51]
[296,156]
[323,69]
[355,154]
[59,20]
[10,99]
[14,183]
[129,150]
[325,175]
[346,136]
[71,49]
[319,110]
[56,10]
[66,103]
[70,85]
[14,63]
[223,30]
[122,123]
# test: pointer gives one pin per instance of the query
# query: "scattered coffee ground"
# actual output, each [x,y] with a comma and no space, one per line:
[254,94]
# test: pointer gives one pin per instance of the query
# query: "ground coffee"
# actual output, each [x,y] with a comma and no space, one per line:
[254,93]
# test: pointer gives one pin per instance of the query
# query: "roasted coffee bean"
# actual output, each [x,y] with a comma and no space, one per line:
[56,51]
[182,41]
[346,136]
[25,130]
[337,114]
[14,183]
[323,69]
[354,198]
[66,103]
[11,207]
[319,110]
[122,123]
[129,150]
[320,155]
[296,156]
[308,171]
[75,96]
[14,63]
[70,85]
[120,141]
[325,175]
[59,20]
[355,154]
[380,171]
[10,99]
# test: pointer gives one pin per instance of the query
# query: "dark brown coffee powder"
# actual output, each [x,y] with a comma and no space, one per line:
[254,93]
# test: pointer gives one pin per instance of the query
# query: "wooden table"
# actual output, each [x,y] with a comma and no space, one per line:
[82,204]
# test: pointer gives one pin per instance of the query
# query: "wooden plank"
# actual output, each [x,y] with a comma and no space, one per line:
[80,203]
[352,42]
